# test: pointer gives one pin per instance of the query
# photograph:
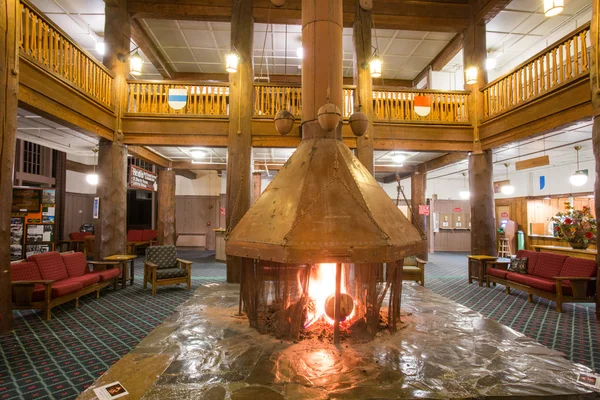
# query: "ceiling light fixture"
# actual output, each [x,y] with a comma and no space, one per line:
[471,75]
[553,7]
[135,61]
[465,194]
[507,188]
[100,48]
[375,65]
[579,178]
[300,52]
[490,63]
[398,158]
[197,154]
[92,178]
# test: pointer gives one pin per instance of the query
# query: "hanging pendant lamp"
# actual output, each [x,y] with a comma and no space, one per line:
[507,189]
[579,178]
[465,194]
[92,178]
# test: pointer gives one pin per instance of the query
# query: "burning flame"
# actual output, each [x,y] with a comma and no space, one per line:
[321,286]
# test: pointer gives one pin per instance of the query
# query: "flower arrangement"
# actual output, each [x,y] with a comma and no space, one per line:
[578,227]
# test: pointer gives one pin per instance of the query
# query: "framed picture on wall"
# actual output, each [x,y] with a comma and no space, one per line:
[32,249]
[49,196]
[35,233]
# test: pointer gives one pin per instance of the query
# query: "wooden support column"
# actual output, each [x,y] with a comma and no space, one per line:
[595,88]
[9,87]
[60,166]
[111,226]
[361,37]
[257,185]
[418,187]
[483,218]
[166,207]
[241,91]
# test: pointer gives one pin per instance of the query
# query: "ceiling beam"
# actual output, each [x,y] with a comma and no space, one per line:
[444,161]
[149,48]
[486,10]
[448,52]
[186,174]
[150,156]
[387,14]
[392,177]
[79,167]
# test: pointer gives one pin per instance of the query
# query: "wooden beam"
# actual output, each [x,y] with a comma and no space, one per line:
[489,9]
[448,52]
[418,189]
[392,177]
[483,227]
[166,209]
[443,161]
[79,167]
[391,14]
[149,48]
[532,163]
[150,156]
[186,173]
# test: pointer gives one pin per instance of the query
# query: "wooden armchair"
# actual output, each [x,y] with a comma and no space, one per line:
[162,267]
[414,270]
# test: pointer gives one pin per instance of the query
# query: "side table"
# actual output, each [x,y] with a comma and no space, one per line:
[124,259]
[477,266]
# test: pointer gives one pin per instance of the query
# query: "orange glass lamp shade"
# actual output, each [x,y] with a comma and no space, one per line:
[422,105]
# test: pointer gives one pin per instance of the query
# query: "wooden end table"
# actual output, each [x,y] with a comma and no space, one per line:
[124,259]
[477,265]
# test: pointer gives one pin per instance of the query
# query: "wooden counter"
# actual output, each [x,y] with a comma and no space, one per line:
[588,254]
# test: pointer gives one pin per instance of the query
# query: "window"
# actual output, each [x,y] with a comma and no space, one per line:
[32,158]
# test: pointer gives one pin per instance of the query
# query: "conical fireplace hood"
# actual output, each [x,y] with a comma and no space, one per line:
[324,206]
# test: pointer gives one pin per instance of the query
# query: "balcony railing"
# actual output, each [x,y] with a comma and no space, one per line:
[151,97]
[40,40]
[564,61]
[398,105]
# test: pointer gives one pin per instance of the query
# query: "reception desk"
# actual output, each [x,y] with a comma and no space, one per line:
[220,244]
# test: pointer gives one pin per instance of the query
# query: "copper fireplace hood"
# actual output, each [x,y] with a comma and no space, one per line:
[324,206]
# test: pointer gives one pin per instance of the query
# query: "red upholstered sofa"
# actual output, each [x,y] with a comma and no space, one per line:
[79,235]
[46,280]
[553,276]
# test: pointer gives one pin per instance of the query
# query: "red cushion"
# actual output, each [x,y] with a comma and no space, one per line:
[75,263]
[532,259]
[65,287]
[549,265]
[500,273]
[148,235]
[108,274]
[24,271]
[547,285]
[51,265]
[134,235]
[579,267]
[87,279]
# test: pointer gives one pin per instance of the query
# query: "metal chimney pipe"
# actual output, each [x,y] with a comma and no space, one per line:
[322,26]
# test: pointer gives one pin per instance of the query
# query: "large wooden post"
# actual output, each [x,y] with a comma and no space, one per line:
[9,87]
[166,207]
[362,79]
[595,88]
[418,188]
[111,227]
[241,90]
[256,185]
[483,218]
[481,172]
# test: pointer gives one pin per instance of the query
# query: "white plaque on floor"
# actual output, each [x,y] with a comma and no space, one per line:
[111,391]
[589,380]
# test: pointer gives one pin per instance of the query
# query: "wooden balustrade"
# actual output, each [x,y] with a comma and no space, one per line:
[152,97]
[40,40]
[564,61]
[398,105]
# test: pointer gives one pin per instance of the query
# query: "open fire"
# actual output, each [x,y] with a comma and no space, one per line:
[321,293]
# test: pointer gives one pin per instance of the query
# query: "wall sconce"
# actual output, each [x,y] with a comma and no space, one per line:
[471,75]
[553,7]
[231,62]
[135,61]
[375,64]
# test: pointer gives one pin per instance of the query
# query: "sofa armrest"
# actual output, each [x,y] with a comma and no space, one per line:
[420,263]
[185,264]
[579,285]
[150,264]
[503,265]
[105,264]
[23,291]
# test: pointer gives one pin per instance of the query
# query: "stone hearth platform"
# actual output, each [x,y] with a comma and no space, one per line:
[444,350]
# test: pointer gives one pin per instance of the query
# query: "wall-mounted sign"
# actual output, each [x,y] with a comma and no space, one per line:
[423,210]
[140,178]
[457,209]
[96,208]
[222,210]
[504,215]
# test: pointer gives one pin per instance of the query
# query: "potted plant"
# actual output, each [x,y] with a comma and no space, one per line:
[577,227]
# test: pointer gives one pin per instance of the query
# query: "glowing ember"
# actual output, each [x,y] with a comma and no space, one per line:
[321,287]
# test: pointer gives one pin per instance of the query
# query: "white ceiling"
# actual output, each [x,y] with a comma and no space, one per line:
[196,46]
[559,146]
[521,30]
[36,129]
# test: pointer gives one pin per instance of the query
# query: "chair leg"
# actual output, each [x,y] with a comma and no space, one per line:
[153,289]
[77,302]
[47,313]
[98,293]
[507,290]
[115,283]
[530,297]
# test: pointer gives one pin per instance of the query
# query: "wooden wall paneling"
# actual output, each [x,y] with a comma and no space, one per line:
[73,219]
